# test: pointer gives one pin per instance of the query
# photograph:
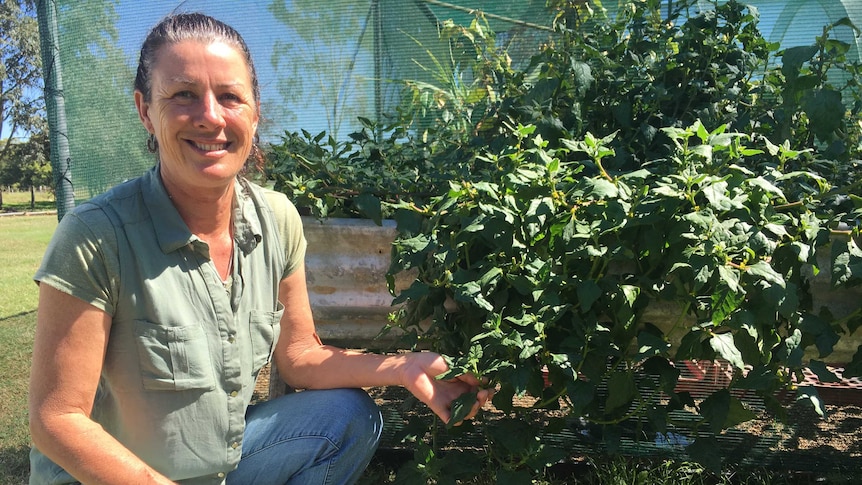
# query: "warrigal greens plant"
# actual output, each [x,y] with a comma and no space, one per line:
[650,188]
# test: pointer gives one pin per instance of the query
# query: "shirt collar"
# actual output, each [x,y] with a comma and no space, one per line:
[247,231]
[173,233]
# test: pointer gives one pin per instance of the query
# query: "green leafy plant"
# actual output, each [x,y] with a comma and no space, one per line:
[578,266]
[545,269]
[647,190]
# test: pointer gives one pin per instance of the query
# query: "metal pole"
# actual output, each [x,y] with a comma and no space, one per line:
[378,63]
[61,160]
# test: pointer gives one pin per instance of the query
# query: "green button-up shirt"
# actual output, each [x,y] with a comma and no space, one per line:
[185,348]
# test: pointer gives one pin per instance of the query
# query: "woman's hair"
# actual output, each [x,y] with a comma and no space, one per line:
[189,26]
[180,27]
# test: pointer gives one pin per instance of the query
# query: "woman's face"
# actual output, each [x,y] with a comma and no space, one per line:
[202,111]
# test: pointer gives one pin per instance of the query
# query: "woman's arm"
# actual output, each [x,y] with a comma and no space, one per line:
[304,362]
[68,353]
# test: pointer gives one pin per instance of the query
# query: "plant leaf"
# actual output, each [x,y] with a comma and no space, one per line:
[724,346]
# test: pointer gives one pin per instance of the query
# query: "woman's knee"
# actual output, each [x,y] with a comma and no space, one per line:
[361,415]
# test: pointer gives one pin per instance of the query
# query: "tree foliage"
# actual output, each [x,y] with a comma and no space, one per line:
[21,101]
[28,165]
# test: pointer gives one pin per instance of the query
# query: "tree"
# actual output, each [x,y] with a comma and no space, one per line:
[28,165]
[22,106]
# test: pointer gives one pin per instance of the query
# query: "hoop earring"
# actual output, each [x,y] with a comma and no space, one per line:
[152,144]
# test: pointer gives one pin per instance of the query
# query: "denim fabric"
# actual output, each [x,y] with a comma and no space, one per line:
[309,438]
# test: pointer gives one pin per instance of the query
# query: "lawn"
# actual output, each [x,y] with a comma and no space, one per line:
[22,241]
[17,201]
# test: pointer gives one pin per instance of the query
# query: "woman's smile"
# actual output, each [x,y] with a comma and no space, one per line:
[210,147]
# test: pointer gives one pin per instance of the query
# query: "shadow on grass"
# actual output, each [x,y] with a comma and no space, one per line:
[14,465]
[18,315]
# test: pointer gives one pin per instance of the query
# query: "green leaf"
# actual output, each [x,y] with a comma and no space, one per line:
[854,368]
[491,277]
[794,57]
[791,352]
[846,262]
[716,194]
[809,394]
[581,394]
[825,335]
[724,303]
[723,411]
[650,345]
[730,277]
[759,378]
[601,188]
[703,451]
[846,22]
[767,187]
[588,293]
[621,391]
[724,346]
[504,398]
[821,106]
[369,206]
[667,373]
[461,407]
[823,372]
[690,346]
[514,437]
[765,271]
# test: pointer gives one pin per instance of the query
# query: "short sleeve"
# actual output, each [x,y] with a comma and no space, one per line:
[81,258]
[290,228]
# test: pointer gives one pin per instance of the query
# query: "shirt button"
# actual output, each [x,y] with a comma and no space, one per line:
[231,339]
[233,394]
[234,445]
[221,474]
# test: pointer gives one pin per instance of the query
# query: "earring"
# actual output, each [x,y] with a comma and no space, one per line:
[152,144]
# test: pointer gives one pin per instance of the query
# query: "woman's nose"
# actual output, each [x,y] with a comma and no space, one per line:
[210,114]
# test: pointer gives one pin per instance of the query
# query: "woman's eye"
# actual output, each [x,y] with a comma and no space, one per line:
[231,97]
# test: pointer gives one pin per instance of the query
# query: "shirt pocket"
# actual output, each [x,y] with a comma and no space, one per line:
[173,358]
[264,328]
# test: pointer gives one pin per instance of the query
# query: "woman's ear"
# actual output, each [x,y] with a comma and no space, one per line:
[143,111]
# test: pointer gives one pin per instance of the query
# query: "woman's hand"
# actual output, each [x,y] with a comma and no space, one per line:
[419,377]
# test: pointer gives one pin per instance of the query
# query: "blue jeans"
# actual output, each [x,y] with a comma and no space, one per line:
[309,437]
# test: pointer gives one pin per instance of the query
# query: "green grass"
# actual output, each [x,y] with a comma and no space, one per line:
[22,242]
[20,202]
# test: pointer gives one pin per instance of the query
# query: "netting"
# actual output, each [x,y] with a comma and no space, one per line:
[321,64]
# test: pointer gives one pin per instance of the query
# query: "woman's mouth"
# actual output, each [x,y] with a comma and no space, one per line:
[209,147]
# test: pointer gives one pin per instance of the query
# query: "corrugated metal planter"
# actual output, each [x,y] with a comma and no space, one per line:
[346,266]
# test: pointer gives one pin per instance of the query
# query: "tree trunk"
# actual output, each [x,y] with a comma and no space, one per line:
[32,197]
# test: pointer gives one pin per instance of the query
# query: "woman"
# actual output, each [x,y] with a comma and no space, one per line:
[161,300]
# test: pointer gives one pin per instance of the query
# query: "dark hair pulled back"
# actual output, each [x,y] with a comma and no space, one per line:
[189,26]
